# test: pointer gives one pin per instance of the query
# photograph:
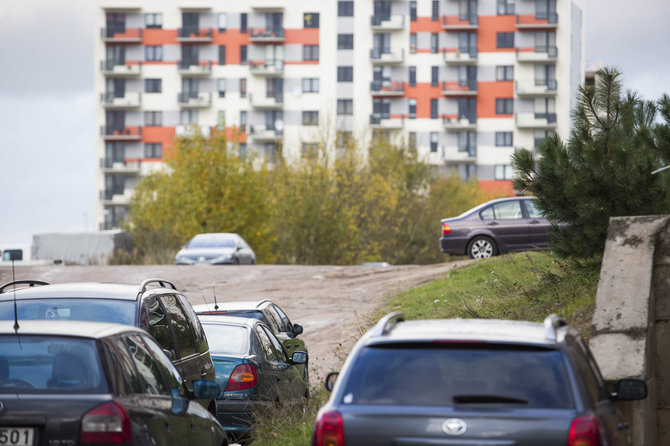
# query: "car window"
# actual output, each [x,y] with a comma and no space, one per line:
[285,325]
[94,310]
[487,214]
[149,373]
[227,338]
[212,241]
[508,210]
[276,344]
[180,326]
[587,368]
[159,325]
[194,322]
[266,344]
[272,320]
[127,380]
[174,380]
[443,376]
[533,211]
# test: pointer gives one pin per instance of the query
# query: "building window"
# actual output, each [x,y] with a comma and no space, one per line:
[434,43]
[243,120]
[433,142]
[153,53]
[467,142]
[434,82]
[222,54]
[188,117]
[412,141]
[153,85]
[505,73]
[310,118]
[505,40]
[504,106]
[345,41]
[412,108]
[345,74]
[433,108]
[153,149]
[310,85]
[412,43]
[412,76]
[345,107]
[153,20]
[504,139]
[243,88]
[503,172]
[310,20]
[243,54]
[412,11]
[243,149]
[153,118]
[221,120]
[222,22]
[243,23]
[344,139]
[436,10]
[310,52]
[345,9]
[221,87]
[505,7]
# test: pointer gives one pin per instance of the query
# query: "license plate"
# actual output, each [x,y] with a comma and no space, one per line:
[16,436]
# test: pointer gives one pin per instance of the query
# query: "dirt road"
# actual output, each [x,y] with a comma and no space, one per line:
[327,300]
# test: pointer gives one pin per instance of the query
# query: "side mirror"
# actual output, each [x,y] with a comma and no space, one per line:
[299,358]
[331,378]
[239,248]
[179,403]
[631,389]
[204,389]
[297,329]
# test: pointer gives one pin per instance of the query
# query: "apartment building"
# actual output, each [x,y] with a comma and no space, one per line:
[462,82]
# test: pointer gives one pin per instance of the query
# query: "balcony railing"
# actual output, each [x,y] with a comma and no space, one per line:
[542,21]
[466,154]
[461,56]
[265,133]
[460,22]
[131,35]
[190,99]
[128,100]
[387,121]
[266,35]
[127,133]
[267,68]
[194,35]
[387,56]
[388,23]
[263,101]
[456,89]
[536,120]
[537,54]
[537,87]
[456,122]
[192,68]
[387,88]
[116,68]
[115,166]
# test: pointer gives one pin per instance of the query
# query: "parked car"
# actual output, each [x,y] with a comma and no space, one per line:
[78,383]
[253,370]
[471,381]
[270,314]
[496,227]
[155,305]
[217,248]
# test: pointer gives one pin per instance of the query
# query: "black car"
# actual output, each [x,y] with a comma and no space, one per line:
[155,305]
[253,370]
[473,382]
[496,227]
[78,383]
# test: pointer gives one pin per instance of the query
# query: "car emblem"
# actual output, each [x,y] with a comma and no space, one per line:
[454,426]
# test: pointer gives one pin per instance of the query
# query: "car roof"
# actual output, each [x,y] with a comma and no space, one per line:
[76,290]
[228,320]
[84,329]
[240,306]
[483,205]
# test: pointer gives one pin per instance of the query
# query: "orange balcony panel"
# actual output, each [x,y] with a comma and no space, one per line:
[498,188]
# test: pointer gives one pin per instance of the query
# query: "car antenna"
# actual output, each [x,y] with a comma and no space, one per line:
[216,306]
[16,313]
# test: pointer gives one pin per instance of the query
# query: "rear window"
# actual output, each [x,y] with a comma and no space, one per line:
[92,310]
[212,241]
[227,339]
[48,364]
[429,375]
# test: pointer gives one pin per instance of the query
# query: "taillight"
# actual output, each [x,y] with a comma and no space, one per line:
[584,432]
[445,229]
[107,423]
[244,377]
[328,430]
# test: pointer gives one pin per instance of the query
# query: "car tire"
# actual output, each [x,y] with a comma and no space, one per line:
[482,247]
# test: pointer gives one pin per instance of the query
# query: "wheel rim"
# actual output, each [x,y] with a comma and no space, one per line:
[481,249]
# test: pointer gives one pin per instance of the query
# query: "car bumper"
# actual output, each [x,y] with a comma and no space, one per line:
[454,245]
[205,262]
[237,416]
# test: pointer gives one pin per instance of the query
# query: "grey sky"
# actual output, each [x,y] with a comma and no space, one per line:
[47,102]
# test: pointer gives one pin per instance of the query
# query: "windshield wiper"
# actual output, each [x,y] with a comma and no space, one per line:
[483,399]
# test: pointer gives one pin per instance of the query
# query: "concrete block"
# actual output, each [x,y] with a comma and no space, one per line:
[619,356]
[660,295]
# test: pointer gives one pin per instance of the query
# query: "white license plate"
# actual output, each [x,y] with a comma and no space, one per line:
[16,436]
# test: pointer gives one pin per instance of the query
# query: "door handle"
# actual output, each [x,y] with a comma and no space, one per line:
[493,223]
[533,222]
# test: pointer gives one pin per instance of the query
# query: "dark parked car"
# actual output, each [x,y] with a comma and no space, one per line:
[496,227]
[253,370]
[77,383]
[217,248]
[268,312]
[472,382]
[155,305]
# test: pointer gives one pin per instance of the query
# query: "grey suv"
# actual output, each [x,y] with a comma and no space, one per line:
[467,382]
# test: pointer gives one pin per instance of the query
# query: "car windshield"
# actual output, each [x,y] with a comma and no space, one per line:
[50,364]
[73,309]
[227,339]
[212,241]
[426,375]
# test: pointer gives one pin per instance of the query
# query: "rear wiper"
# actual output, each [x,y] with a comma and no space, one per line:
[482,399]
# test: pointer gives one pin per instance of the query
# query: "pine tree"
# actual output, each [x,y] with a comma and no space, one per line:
[603,170]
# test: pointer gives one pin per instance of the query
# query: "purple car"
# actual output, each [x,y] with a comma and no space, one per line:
[496,227]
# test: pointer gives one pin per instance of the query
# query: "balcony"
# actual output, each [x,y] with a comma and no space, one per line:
[465,22]
[540,121]
[264,35]
[128,100]
[267,68]
[189,130]
[454,122]
[454,89]
[195,68]
[116,197]
[531,88]
[194,100]
[538,54]
[387,88]
[262,133]
[454,154]
[387,122]
[121,167]
[127,133]
[395,22]
[457,57]
[114,68]
[262,101]
[533,22]
[132,35]
[387,57]
[188,35]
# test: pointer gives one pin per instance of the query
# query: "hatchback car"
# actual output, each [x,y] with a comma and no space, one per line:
[77,383]
[218,248]
[496,227]
[155,305]
[253,370]
[461,381]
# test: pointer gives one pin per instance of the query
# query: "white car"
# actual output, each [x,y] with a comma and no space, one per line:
[216,248]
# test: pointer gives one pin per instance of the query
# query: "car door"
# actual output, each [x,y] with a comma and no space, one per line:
[205,366]
[292,387]
[287,336]
[269,379]
[187,359]
[538,226]
[506,222]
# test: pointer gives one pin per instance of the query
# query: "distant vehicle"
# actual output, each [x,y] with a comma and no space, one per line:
[155,305]
[253,370]
[496,227]
[15,252]
[216,248]
[472,381]
[79,383]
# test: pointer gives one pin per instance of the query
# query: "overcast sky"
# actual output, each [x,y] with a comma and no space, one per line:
[47,103]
